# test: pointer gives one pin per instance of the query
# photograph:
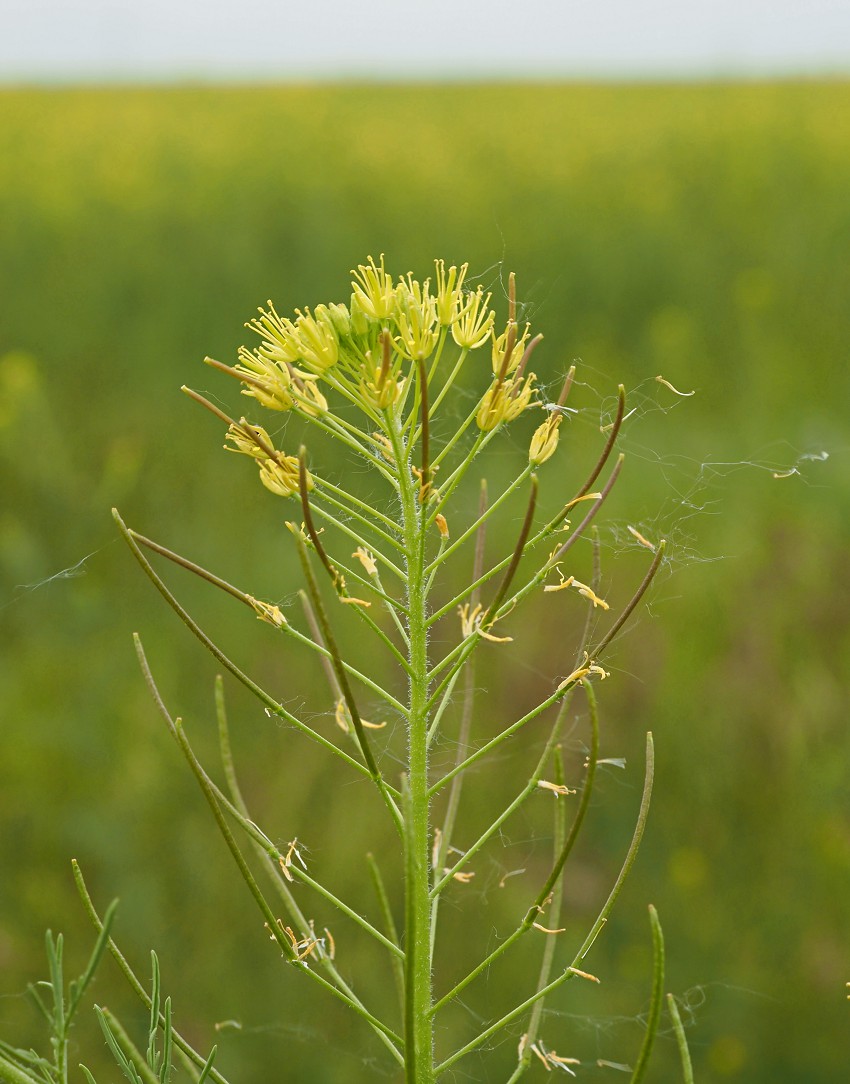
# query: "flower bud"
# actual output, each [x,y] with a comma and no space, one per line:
[340,319]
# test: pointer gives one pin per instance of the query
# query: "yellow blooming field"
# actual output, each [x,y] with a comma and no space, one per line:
[694,233]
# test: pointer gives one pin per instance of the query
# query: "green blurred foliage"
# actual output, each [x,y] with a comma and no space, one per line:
[700,232]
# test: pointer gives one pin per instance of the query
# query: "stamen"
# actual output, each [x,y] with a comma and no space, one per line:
[537,1051]
[667,384]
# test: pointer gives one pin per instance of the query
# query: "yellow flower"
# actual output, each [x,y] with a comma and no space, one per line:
[473,323]
[317,339]
[382,391]
[589,594]
[278,386]
[504,401]
[268,612]
[307,396]
[545,440]
[281,475]
[585,670]
[278,472]
[250,440]
[373,289]
[416,317]
[449,291]
[366,559]
[266,381]
[508,349]
[280,338]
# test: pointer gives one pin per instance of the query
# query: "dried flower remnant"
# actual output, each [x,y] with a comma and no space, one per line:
[667,384]
[557,789]
[366,559]
[641,539]
[269,613]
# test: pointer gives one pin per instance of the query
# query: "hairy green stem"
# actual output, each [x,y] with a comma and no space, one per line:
[418,1027]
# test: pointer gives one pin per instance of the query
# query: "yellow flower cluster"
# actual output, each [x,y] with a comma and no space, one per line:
[364,351]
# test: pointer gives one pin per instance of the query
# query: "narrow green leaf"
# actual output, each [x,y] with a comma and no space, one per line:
[151,1056]
[124,1063]
[165,1071]
[207,1069]
[13,1074]
[79,987]
[36,999]
[54,961]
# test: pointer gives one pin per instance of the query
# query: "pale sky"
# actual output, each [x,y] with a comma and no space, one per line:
[91,40]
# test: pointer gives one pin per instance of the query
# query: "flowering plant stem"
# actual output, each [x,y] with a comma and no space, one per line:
[418,1022]
[383,358]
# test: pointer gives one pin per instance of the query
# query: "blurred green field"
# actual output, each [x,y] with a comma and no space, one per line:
[700,232]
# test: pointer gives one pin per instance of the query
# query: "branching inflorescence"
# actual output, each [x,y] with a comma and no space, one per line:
[376,375]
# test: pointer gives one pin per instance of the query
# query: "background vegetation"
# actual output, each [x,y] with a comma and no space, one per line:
[700,232]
